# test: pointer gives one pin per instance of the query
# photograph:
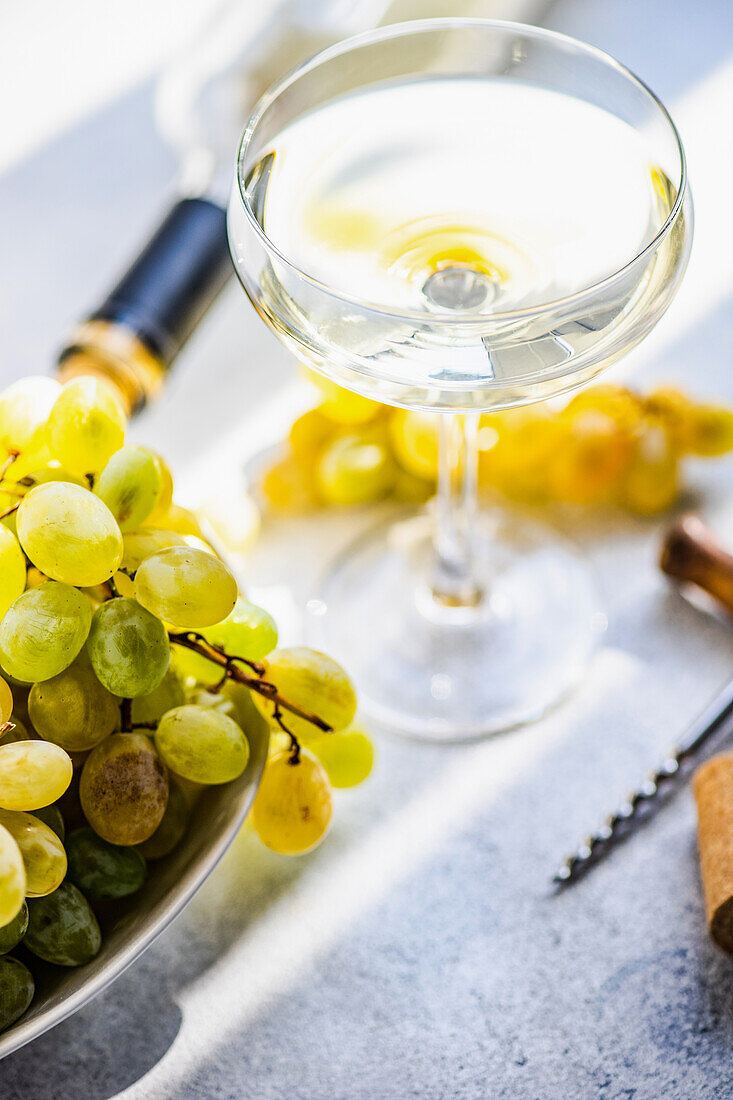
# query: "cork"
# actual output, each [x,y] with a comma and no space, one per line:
[713,788]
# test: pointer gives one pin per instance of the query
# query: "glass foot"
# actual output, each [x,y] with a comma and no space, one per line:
[446,673]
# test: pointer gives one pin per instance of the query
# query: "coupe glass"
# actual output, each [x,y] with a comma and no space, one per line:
[459,217]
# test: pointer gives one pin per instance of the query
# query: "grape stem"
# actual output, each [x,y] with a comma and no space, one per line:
[190,640]
[294,742]
[6,727]
[12,455]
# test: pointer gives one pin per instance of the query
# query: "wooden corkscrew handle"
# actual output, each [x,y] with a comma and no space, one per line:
[691,555]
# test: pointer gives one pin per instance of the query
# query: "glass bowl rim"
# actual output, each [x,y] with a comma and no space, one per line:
[420,26]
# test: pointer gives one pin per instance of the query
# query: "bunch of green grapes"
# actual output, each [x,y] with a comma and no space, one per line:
[608,445]
[133,675]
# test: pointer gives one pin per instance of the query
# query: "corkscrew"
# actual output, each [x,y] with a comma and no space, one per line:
[690,555]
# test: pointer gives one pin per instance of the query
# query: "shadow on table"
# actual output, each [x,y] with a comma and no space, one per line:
[109,1045]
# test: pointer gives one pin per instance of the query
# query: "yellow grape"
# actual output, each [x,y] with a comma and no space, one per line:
[139,545]
[287,486]
[410,489]
[34,577]
[673,408]
[414,437]
[24,409]
[12,878]
[309,433]
[342,405]
[312,681]
[348,757]
[651,482]
[516,451]
[588,467]
[69,534]
[44,857]
[621,404]
[32,774]
[293,806]
[6,702]
[709,431]
[181,520]
[355,469]
[186,587]
[12,569]
[86,426]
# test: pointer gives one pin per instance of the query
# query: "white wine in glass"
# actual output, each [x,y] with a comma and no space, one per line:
[460,216]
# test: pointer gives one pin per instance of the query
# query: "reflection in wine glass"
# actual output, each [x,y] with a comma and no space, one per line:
[460,216]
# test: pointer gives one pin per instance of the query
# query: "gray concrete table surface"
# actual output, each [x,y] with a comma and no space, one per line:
[420,952]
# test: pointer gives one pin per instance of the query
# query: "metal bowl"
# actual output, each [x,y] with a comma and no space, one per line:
[131,925]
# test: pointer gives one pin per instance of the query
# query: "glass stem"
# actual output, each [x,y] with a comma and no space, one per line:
[454,583]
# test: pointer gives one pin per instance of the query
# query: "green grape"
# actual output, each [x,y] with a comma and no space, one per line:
[171,829]
[43,632]
[85,426]
[128,647]
[24,409]
[73,709]
[12,569]
[62,928]
[139,545]
[16,991]
[180,520]
[130,485]
[12,933]
[313,681]
[103,870]
[6,702]
[348,757]
[51,816]
[32,774]
[168,694]
[186,587]
[43,853]
[293,806]
[249,631]
[355,469]
[69,534]
[12,877]
[165,492]
[201,744]
[124,789]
